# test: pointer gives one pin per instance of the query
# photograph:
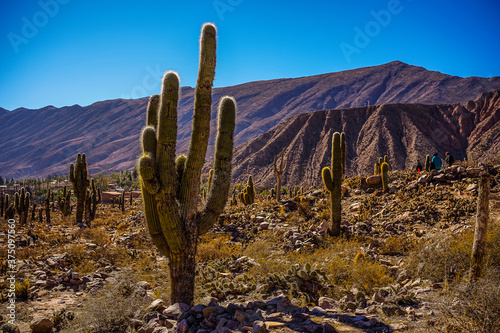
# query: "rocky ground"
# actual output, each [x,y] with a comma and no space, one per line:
[265,267]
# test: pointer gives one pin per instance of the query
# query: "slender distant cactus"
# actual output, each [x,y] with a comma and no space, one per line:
[131,198]
[280,170]
[385,176]
[332,178]
[96,198]
[47,211]
[78,175]
[22,205]
[40,215]
[122,201]
[427,163]
[170,202]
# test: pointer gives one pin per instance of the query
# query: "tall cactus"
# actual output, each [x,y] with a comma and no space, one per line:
[96,198]
[47,211]
[332,178]
[78,175]
[280,170]
[385,176]
[22,203]
[427,163]
[170,205]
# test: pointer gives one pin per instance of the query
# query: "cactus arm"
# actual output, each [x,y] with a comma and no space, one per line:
[200,133]
[221,181]
[326,173]
[152,111]
[275,168]
[167,134]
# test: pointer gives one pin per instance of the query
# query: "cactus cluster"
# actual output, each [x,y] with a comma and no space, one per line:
[377,169]
[22,205]
[64,202]
[170,186]
[332,178]
[121,201]
[247,196]
[78,176]
[279,170]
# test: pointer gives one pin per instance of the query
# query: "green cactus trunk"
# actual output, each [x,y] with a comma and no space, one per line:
[78,175]
[170,202]
[332,178]
[47,211]
[385,176]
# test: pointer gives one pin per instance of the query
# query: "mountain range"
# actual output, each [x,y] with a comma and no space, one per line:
[45,141]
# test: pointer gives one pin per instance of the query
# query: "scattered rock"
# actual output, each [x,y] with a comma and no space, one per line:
[42,325]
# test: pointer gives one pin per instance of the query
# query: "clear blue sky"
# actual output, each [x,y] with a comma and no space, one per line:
[83,51]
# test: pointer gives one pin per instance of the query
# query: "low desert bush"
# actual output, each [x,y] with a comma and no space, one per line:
[448,258]
[110,309]
[474,308]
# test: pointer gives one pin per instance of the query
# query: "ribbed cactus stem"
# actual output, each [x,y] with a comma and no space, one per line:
[385,176]
[332,178]
[78,176]
[170,188]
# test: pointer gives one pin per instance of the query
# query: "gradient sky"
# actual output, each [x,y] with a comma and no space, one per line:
[65,52]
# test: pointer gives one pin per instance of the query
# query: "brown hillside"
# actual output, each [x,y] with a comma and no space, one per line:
[45,141]
[404,132]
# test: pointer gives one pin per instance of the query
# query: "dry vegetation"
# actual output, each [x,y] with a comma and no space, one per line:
[422,238]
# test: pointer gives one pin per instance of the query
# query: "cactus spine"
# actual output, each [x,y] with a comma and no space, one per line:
[78,175]
[385,177]
[279,170]
[332,178]
[170,205]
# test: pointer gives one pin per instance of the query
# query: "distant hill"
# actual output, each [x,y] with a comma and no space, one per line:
[404,132]
[45,141]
